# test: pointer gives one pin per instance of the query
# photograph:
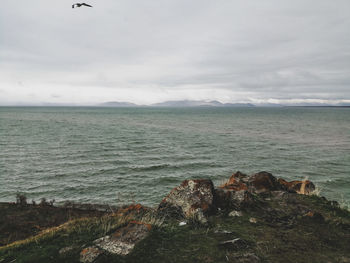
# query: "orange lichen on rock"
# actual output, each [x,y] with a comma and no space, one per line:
[310,214]
[84,251]
[235,182]
[89,254]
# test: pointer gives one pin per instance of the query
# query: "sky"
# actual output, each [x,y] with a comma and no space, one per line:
[238,51]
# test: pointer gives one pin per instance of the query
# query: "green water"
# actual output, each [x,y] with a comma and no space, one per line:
[120,155]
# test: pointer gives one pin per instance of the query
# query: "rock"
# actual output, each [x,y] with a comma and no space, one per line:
[261,182]
[124,239]
[218,231]
[301,187]
[182,223]
[235,213]
[264,182]
[90,254]
[253,220]
[192,199]
[228,198]
[236,182]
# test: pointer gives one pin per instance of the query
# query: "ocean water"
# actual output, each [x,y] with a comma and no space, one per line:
[123,155]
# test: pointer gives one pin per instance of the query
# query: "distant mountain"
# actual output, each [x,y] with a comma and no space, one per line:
[213,103]
[319,105]
[269,105]
[118,104]
[199,103]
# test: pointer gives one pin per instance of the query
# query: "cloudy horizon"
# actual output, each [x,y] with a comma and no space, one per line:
[144,52]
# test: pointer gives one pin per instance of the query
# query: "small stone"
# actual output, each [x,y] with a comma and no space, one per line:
[235,213]
[182,223]
[253,220]
[89,254]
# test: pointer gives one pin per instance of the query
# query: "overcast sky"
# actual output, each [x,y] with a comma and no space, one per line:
[147,51]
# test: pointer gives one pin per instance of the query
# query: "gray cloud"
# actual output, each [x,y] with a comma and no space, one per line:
[150,51]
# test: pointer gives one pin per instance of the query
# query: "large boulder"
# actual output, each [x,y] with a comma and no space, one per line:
[193,199]
[226,198]
[238,191]
[263,182]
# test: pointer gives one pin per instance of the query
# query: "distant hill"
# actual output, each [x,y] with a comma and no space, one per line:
[199,103]
[118,104]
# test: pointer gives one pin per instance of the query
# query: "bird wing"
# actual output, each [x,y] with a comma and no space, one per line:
[86,5]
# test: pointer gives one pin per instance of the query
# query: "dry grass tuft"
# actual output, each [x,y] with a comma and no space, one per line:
[99,225]
[316,192]
[152,218]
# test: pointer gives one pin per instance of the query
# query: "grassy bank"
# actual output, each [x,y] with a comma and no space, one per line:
[291,228]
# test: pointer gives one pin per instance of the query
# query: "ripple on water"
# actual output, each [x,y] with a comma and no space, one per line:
[96,155]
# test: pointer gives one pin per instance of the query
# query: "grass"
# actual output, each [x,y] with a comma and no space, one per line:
[76,233]
[284,232]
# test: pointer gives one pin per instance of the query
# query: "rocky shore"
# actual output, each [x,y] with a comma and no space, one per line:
[249,218]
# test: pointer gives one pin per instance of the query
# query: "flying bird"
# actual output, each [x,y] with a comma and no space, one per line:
[80,4]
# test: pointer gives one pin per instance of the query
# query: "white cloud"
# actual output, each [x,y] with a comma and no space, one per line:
[145,52]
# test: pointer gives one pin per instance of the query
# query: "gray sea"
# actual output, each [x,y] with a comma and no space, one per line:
[123,155]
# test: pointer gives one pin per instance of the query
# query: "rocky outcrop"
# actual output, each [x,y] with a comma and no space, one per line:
[192,199]
[195,199]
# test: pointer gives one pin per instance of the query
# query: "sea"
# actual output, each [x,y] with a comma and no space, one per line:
[117,156]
